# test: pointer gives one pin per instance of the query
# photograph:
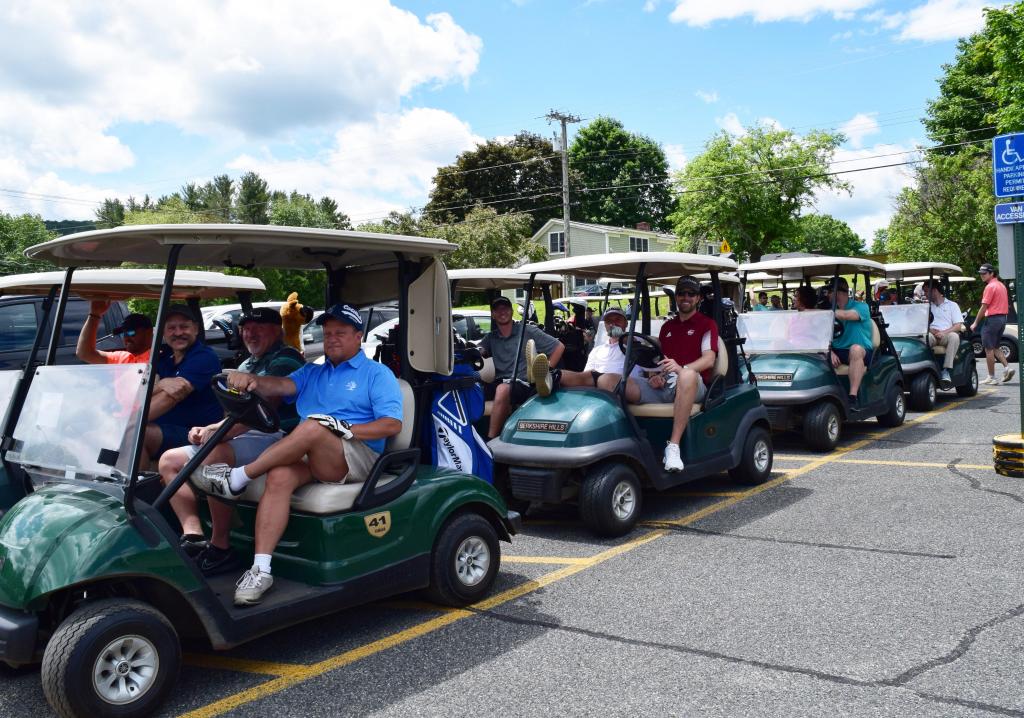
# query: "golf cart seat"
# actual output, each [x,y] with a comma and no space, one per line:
[331,498]
[876,339]
[721,369]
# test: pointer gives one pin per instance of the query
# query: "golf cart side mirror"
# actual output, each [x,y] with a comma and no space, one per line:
[401,465]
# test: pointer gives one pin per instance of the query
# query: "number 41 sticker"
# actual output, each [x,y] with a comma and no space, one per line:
[378,524]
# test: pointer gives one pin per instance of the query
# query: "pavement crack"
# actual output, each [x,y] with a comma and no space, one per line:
[794,542]
[976,483]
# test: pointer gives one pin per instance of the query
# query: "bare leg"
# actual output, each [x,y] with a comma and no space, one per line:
[990,361]
[632,391]
[610,382]
[184,500]
[150,445]
[577,378]
[686,394]
[857,368]
[501,409]
[310,438]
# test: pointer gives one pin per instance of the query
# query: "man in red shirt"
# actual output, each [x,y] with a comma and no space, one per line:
[995,305]
[689,343]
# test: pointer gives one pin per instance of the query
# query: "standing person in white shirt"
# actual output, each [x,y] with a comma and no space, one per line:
[605,363]
[944,331]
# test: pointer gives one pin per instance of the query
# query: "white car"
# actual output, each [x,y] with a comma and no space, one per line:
[471,324]
[230,313]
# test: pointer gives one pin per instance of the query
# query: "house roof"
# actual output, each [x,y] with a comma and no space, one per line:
[603,228]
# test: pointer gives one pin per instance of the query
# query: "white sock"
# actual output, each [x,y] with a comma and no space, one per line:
[238,479]
[261,561]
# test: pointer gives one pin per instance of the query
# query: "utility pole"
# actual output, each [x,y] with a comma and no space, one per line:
[564,118]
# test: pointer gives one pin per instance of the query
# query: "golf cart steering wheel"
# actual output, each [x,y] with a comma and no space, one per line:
[646,350]
[246,407]
[837,328]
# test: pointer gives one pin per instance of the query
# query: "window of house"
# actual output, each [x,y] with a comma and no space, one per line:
[709,248]
[556,242]
[639,244]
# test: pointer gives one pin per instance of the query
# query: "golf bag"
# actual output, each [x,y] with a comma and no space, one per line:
[458,402]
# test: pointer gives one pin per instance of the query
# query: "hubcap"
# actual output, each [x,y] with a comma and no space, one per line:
[623,500]
[899,403]
[974,379]
[472,561]
[762,456]
[931,390]
[1005,350]
[833,427]
[125,670]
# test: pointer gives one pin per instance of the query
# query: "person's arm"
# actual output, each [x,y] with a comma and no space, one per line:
[266,386]
[382,428]
[556,354]
[981,315]
[86,349]
[849,315]
[161,403]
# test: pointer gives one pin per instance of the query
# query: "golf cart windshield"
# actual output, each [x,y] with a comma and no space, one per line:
[780,332]
[80,421]
[8,383]
[905,320]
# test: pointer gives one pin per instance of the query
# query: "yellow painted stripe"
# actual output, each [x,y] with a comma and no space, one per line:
[304,673]
[926,464]
[242,665]
[543,559]
[699,494]
[784,457]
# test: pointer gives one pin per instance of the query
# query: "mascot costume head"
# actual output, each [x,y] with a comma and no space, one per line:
[294,316]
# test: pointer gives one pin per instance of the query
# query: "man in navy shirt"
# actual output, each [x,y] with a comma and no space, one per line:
[183,396]
[348,407]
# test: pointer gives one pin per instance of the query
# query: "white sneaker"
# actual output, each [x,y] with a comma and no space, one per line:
[990,380]
[1008,373]
[673,462]
[530,354]
[540,370]
[251,587]
[214,480]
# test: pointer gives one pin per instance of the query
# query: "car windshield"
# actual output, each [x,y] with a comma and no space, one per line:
[80,421]
[905,320]
[777,332]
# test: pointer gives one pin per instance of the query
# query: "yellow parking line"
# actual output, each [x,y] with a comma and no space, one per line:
[698,494]
[242,665]
[784,457]
[567,560]
[305,673]
[926,464]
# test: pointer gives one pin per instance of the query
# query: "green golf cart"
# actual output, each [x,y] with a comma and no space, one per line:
[908,326]
[92,579]
[590,447]
[790,356]
[110,285]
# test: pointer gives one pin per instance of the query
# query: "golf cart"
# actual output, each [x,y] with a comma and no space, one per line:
[590,447]
[790,356]
[92,578]
[907,325]
[111,285]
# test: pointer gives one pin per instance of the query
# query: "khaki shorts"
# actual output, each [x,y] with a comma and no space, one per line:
[360,459]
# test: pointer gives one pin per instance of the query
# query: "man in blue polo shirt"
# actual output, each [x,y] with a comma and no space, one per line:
[853,345]
[348,407]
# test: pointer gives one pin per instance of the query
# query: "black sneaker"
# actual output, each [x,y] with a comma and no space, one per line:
[214,561]
[193,544]
[945,380]
[854,403]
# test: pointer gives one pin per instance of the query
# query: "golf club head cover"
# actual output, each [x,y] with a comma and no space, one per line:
[338,427]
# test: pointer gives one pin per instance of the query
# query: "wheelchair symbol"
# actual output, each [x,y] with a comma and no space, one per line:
[1010,156]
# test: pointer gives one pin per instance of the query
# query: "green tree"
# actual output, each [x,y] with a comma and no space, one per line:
[407,223]
[218,197]
[191,195]
[624,177]
[110,214]
[521,175]
[253,203]
[880,243]
[964,108]
[489,239]
[330,208]
[18,233]
[825,234]
[1006,28]
[299,210]
[751,189]
[168,210]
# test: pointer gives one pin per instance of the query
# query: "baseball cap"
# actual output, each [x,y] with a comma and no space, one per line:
[881,283]
[182,309]
[343,313]
[261,315]
[842,284]
[501,300]
[613,311]
[133,322]
[986,267]
[687,282]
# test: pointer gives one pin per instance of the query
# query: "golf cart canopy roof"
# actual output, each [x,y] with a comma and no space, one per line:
[952,280]
[809,266]
[483,278]
[234,245]
[906,270]
[625,265]
[114,284]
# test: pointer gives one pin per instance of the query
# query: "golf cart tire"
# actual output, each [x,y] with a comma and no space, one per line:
[603,486]
[817,422]
[758,440]
[465,537]
[978,349]
[897,408]
[78,643]
[970,388]
[1009,349]
[922,391]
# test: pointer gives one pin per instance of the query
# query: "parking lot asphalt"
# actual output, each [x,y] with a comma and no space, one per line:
[881,579]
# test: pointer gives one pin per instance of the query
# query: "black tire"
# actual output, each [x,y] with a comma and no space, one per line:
[978,349]
[823,426]
[1009,349]
[610,499]
[922,392]
[971,387]
[755,465]
[98,633]
[897,408]
[465,561]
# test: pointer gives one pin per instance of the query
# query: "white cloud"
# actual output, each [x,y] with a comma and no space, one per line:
[860,126]
[375,166]
[731,124]
[708,97]
[842,36]
[676,156]
[46,194]
[651,5]
[701,13]
[943,19]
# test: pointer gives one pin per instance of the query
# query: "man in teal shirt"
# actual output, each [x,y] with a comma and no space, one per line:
[853,345]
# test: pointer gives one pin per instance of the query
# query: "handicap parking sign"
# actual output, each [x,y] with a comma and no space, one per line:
[1008,165]
[1010,213]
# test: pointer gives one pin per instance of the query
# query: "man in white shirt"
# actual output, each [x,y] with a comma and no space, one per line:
[947,323]
[604,365]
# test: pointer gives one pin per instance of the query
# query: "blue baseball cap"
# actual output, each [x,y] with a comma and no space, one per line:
[343,313]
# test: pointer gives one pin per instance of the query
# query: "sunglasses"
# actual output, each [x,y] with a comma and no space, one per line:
[129,332]
[688,293]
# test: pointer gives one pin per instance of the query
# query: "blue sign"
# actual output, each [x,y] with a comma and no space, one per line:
[1010,212]
[1008,164]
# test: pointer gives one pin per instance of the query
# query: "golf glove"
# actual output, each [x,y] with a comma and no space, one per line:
[338,427]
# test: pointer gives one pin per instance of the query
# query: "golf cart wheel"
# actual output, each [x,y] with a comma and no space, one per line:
[978,349]
[971,387]
[465,561]
[755,465]
[610,499]
[897,408]
[1009,349]
[922,392]
[823,426]
[111,658]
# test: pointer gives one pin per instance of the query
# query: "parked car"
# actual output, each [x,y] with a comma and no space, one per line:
[313,333]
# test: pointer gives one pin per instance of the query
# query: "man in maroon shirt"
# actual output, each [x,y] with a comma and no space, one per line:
[689,343]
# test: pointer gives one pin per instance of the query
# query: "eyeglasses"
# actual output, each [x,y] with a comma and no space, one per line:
[129,332]
[689,294]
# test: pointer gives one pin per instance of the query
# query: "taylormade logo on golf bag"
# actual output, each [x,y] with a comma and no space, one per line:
[452,457]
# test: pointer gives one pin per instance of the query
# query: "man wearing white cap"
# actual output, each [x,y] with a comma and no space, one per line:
[604,365]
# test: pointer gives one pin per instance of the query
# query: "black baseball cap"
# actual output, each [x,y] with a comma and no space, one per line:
[343,313]
[501,300]
[182,309]
[986,267]
[687,282]
[261,315]
[133,322]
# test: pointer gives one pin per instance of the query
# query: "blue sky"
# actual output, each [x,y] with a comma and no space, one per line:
[364,99]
